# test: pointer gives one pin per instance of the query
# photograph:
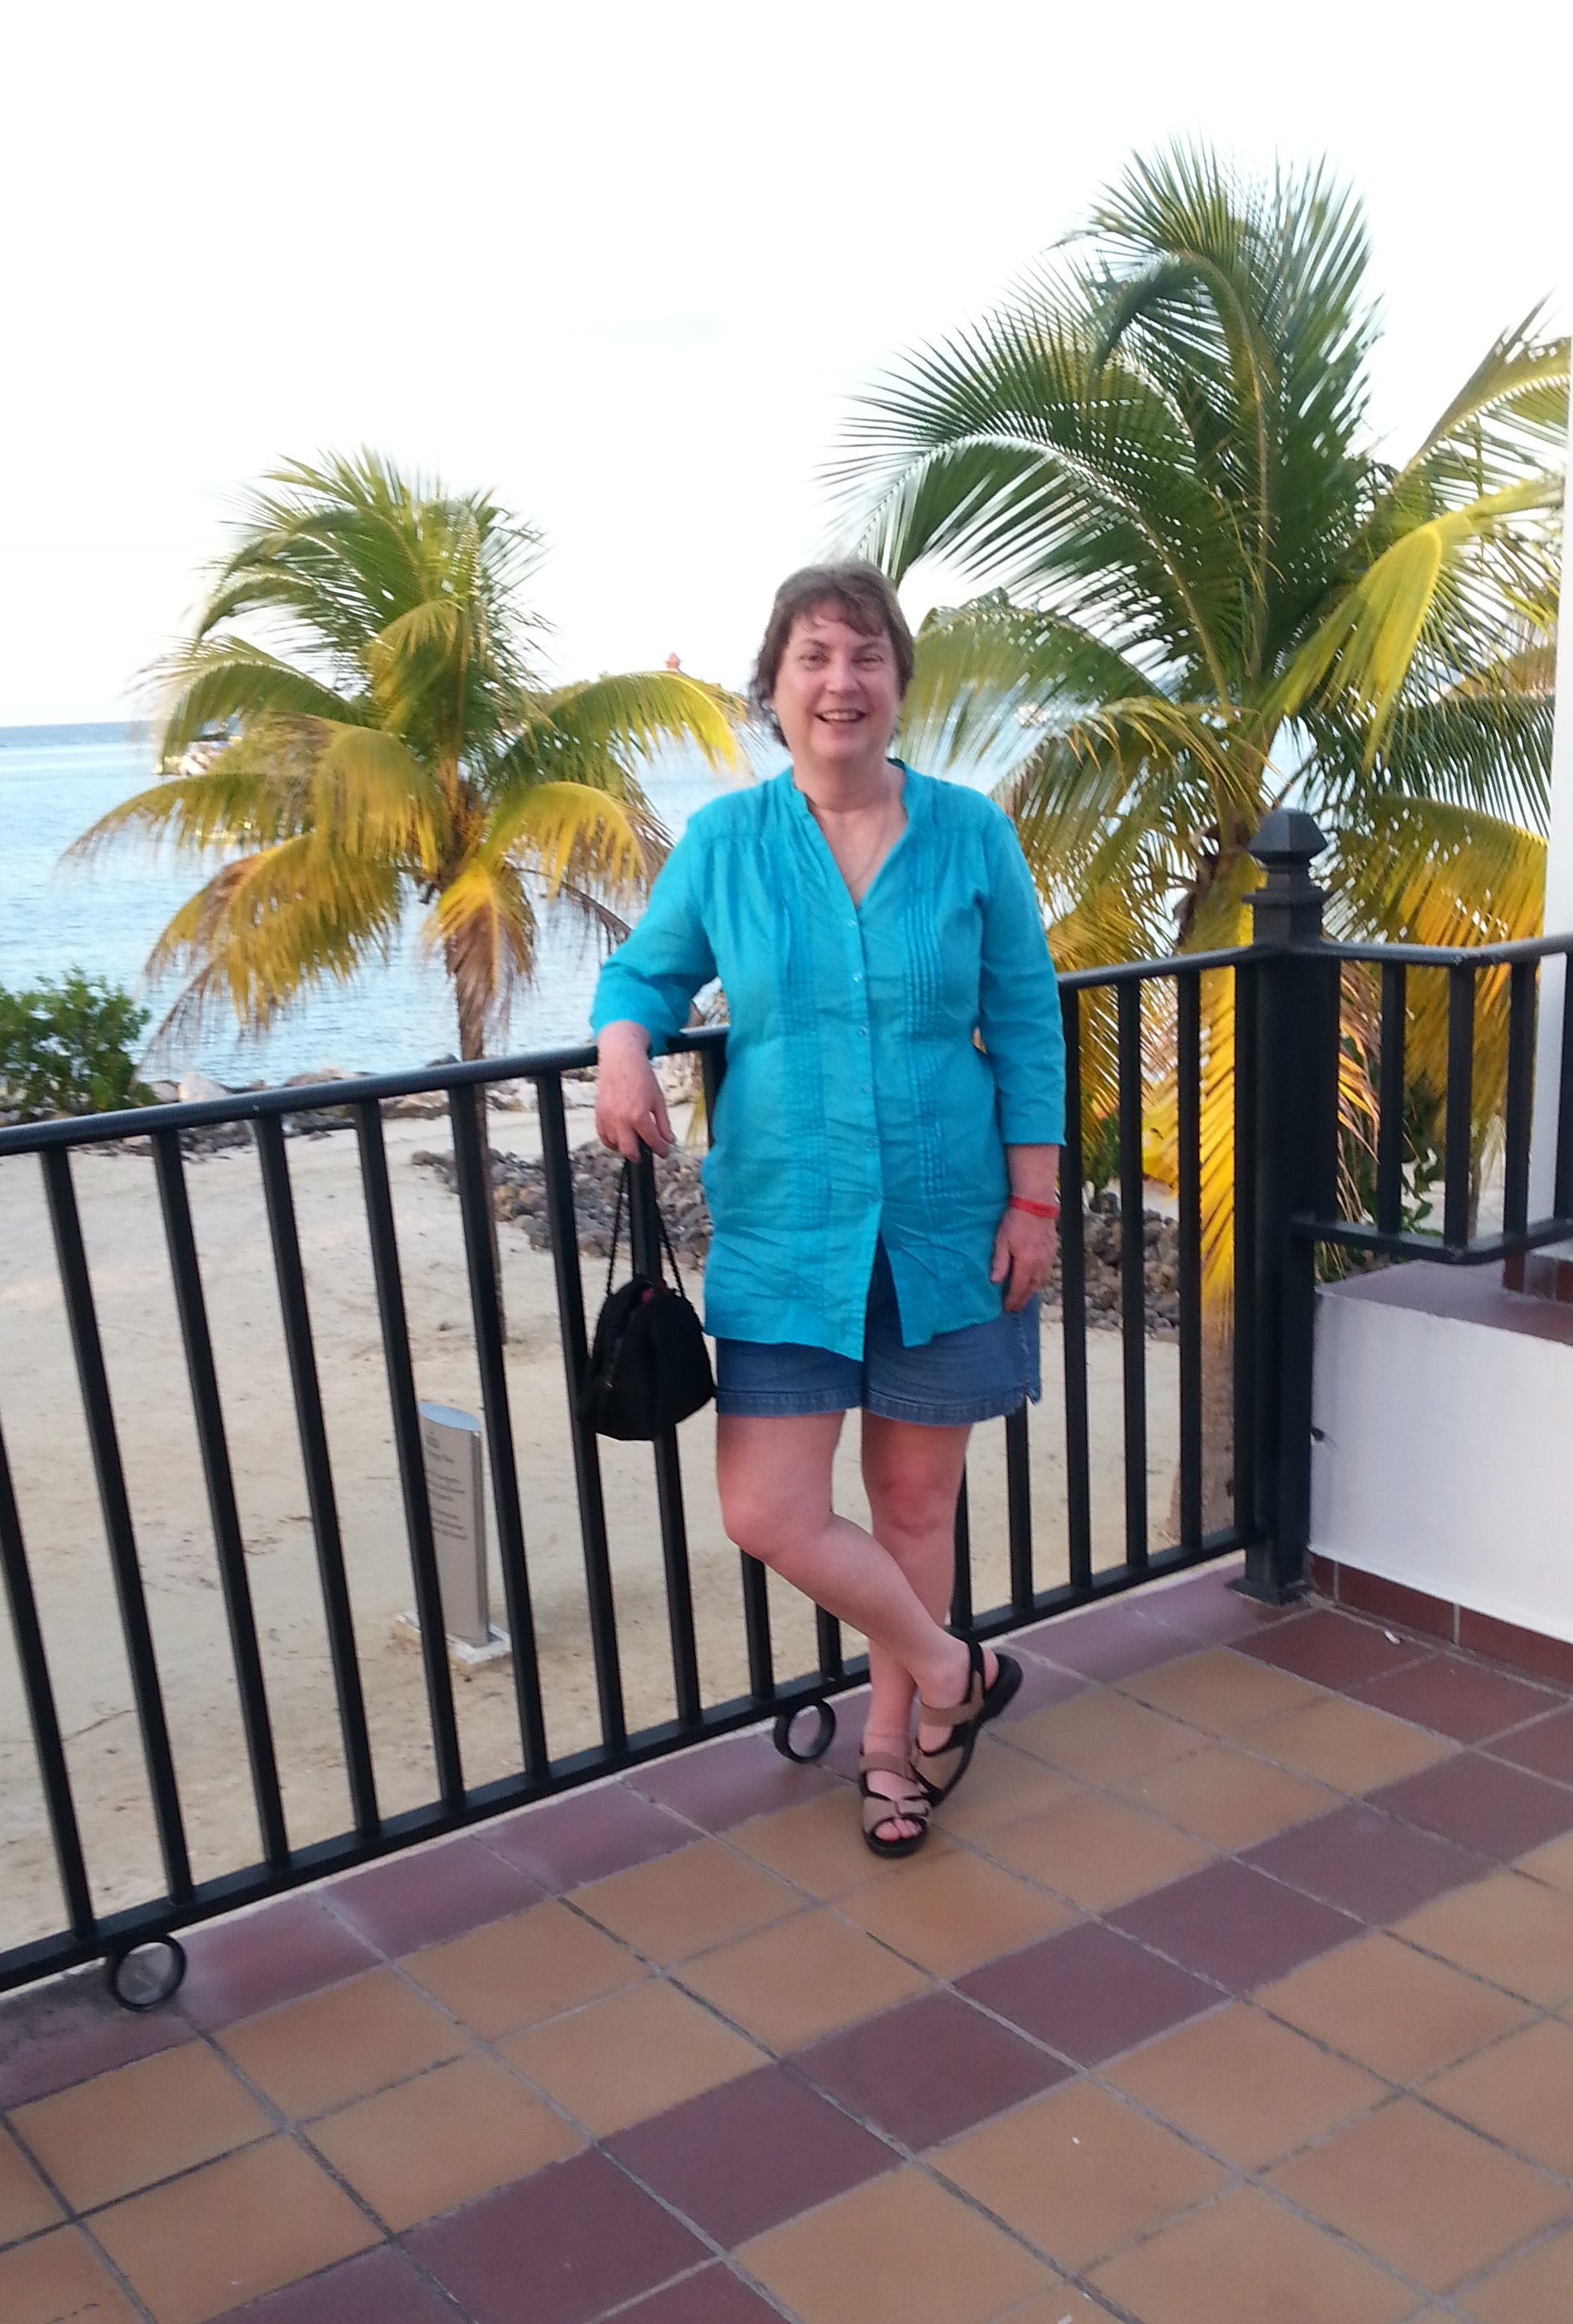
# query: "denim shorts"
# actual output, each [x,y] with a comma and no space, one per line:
[978,1373]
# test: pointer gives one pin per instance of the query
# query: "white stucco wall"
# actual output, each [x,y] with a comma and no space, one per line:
[1446,1443]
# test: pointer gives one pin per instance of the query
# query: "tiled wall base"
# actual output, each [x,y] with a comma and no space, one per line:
[1439,1618]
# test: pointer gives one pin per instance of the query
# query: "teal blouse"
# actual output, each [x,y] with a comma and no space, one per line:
[857,1102]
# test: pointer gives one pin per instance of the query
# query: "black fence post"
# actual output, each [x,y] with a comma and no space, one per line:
[1292,1054]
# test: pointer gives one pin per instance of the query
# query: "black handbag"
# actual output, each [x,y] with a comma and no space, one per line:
[649,1366]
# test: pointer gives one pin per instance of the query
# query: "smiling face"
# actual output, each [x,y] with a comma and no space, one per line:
[837,691]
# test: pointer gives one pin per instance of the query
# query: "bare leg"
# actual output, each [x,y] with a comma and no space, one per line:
[913,1476]
[774,1479]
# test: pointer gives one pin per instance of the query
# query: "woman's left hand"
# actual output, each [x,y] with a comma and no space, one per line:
[1024,1255]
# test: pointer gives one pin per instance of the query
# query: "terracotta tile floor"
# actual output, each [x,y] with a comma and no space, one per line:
[1237,1985]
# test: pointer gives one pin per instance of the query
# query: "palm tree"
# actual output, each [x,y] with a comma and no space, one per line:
[388,736]
[1208,593]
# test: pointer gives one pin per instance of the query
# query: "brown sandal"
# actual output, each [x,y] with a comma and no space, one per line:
[879,1808]
[939,1772]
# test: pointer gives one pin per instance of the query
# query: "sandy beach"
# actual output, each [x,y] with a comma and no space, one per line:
[40,1415]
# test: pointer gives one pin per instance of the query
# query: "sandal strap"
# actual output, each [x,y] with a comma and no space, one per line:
[956,1714]
[884,1763]
[912,1808]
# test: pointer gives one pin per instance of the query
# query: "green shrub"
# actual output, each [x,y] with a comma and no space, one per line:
[65,1047]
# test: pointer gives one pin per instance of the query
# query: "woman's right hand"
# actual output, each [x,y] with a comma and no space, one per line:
[629,1105]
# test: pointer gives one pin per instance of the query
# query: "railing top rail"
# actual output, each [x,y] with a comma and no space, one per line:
[1139,972]
[1485,955]
[313,1097]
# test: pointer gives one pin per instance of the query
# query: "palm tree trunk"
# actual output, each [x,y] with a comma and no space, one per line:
[471,1002]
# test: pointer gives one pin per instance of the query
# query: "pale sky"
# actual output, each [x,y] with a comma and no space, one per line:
[625,264]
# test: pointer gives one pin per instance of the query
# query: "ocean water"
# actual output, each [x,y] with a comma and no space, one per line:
[103,918]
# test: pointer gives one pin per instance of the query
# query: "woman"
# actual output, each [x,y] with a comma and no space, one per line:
[882,1183]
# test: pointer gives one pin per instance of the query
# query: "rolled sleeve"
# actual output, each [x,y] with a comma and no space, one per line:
[651,978]
[1019,1014]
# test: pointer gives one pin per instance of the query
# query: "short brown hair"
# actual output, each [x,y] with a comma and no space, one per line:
[860,594]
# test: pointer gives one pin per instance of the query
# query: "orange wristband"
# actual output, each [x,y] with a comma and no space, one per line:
[1034,1210]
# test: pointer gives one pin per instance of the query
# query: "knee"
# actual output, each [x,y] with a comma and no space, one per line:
[912,1511]
[763,1525]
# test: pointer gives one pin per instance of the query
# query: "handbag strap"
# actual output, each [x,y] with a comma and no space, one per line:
[622,1184]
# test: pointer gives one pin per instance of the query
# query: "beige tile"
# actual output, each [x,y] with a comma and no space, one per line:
[59,2278]
[1394,2009]
[335,2046]
[519,1971]
[1433,2200]
[1102,1734]
[441,2140]
[1063,2305]
[26,2204]
[1096,1850]
[124,2130]
[231,2231]
[1247,2088]
[685,1903]
[1348,1745]
[953,1913]
[1221,1691]
[1553,1864]
[1226,1797]
[1245,2260]
[1510,1930]
[1522,2093]
[1001,1786]
[899,2249]
[791,1983]
[1537,2288]
[1079,2172]
[619,2061]
[817,1845]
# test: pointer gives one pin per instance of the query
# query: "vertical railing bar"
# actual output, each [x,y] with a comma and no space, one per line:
[1521,1078]
[828,1644]
[1460,1103]
[961,1602]
[1327,1103]
[1390,1098]
[1132,1274]
[42,1715]
[406,1414]
[1073,1310]
[300,1351]
[1562,1167]
[645,1237]
[229,1548]
[1187,1086]
[1018,1509]
[1247,1003]
[600,1595]
[756,1588]
[146,1690]
[475,1202]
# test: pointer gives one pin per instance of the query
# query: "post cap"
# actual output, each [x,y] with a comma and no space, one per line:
[1288,841]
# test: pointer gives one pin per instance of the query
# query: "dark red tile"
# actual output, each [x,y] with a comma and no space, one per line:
[1333,1650]
[585,1836]
[63,2032]
[1043,1683]
[560,2247]
[1219,1617]
[1111,1642]
[381,2287]
[1453,1697]
[1481,1804]
[425,1895]
[1396,1602]
[1089,1993]
[745,1775]
[1234,1924]
[714,2296]
[1545,1747]
[929,2069]
[1364,1862]
[1530,1651]
[755,2151]
[279,1952]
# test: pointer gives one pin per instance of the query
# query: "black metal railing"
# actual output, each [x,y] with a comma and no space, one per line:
[1146,1028]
